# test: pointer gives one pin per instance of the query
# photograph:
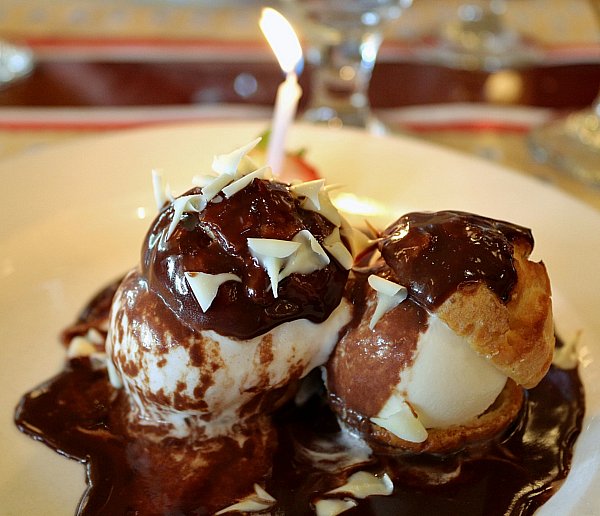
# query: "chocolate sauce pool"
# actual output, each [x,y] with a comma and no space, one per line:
[80,415]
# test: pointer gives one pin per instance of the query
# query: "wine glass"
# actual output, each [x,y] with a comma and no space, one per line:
[15,62]
[343,39]
[478,38]
[572,143]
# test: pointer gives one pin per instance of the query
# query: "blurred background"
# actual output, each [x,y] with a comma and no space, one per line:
[477,76]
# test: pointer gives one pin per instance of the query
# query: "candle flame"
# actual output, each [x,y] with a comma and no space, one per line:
[282,39]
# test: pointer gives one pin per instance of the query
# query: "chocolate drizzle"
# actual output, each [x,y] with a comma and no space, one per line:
[80,415]
[215,241]
[434,254]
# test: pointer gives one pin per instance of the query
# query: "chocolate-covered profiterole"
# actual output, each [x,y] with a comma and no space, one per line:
[451,320]
[239,295]
[218,240]
[435,254]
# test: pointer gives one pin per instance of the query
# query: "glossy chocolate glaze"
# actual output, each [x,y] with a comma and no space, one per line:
[434,254]
[80,415]
[215,241]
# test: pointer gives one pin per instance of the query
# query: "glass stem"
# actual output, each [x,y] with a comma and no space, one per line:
[341,76]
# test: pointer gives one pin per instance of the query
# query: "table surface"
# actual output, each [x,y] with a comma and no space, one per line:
[108,66]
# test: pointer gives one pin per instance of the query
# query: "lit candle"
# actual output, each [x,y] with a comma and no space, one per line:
[287,49]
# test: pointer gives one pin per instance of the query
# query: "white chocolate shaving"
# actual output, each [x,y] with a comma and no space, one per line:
[229,179]
[215,186]
[258,501]
[80,347]
[385,286]
[185,204]
[247,165]
[310,190]
[309,257]
[270,253]
[244,181]
[228,163]
[333,243]
[226,166]
[205,286]
[334,506]
[397,417]
[161,193]
[362,484]
[95,337]
[83,346]
[389,296]
[339,251]
[272,247]
[567,356]
[357,239]
[328,210]
[262,494]
[325,206]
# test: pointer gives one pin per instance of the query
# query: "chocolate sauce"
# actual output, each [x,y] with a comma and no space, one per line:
[79,414]
[434,254]
[215,241]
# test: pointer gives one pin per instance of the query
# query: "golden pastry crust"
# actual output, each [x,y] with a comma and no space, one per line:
[517,337]
[491,423]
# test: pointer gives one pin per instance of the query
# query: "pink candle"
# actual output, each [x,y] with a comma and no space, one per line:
[286,46]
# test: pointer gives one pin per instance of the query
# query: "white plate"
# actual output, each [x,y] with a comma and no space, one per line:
[73,217]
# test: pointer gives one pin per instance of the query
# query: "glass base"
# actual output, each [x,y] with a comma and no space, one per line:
[571,144]
[15,62]
[361,119]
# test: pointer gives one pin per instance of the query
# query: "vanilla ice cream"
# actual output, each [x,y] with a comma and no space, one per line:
[185,377]
[465,385]
[422,374]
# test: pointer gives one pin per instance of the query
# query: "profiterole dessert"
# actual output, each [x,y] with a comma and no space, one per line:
[238,296]
[453,321]
[193,384]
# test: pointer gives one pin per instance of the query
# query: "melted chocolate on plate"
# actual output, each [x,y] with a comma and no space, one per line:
[79,414]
